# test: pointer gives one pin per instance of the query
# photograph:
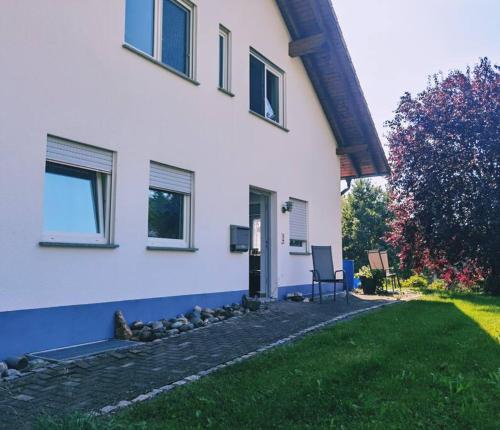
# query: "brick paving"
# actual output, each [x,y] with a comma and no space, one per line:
[92,383]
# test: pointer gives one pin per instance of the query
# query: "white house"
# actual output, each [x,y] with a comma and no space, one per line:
[135,133]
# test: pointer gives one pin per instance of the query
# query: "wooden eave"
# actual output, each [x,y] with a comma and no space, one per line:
[318,41]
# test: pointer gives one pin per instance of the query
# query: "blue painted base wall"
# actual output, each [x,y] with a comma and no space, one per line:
[48,328]
[34,330]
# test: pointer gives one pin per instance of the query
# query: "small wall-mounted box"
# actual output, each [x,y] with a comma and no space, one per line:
[240,238]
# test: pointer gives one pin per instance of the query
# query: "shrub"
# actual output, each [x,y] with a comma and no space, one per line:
[438,285]
[415,282]
[371,280]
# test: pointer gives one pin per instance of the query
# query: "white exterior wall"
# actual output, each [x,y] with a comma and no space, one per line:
[63,71]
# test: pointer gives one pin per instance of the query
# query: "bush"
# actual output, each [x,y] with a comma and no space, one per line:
[371,280]
[438,285]
[415,282]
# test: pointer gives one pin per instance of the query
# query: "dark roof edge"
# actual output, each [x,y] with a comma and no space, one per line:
[365,110]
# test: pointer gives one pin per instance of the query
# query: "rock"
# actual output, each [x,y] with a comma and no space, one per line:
[37,363]
[180,316]
[176,325]
[122,330]
[186,327]
[208,310]
[206,315]
[252,304]
[3,368]
[12,373]
[157,326]
[183,320]
[172,332]
[160,334]
[221,317]
[17,363]
[193,315]
[137,325]
[237,313]
[236,306]
[198,323]
[197,309]
[146,335]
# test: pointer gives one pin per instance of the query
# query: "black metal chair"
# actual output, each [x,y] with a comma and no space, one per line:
[323,271]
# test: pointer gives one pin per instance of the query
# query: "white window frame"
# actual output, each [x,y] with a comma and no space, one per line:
[157,36]
[104,199]
[187,228]
[226,58]
[305,243]
[280,74]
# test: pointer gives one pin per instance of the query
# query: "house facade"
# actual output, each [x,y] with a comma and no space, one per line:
[135,133]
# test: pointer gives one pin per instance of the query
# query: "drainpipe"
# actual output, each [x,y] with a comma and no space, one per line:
[347,188]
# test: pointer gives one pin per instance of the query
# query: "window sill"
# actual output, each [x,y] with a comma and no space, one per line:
[226,92]
[258,115]
[78,245]
[170,248]
[300,253]
[158,63]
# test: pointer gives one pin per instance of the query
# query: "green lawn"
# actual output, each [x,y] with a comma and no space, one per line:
[431,364]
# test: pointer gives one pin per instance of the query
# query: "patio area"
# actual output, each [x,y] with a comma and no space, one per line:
[106,382]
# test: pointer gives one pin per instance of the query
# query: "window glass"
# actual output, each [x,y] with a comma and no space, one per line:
[221,60]
[175,36]
[70,200]
[139,24]
[257,84]
[272,96]
[166,215]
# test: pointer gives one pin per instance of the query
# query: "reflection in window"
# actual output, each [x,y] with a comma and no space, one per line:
[224,59]
[166,215]
[256,234]
[175,36]
[139,24]
[272,96]
[71,200]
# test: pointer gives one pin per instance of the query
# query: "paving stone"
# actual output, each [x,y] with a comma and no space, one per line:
[101,382]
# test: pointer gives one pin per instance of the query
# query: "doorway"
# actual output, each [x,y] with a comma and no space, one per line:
[260,255]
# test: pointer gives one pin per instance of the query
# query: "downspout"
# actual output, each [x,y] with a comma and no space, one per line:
[349,180]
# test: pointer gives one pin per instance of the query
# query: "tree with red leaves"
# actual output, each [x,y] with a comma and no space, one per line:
[445,181]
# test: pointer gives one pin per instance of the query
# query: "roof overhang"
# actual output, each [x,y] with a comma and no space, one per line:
[318,41]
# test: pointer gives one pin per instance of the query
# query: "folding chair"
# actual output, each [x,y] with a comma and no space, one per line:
[379,260]
[323,271]
[390,273]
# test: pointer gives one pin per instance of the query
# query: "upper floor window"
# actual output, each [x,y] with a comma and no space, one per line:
[163,29]
[266,88]
[77,197]
[224,58]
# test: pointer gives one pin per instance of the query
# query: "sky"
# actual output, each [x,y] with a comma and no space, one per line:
[396,44]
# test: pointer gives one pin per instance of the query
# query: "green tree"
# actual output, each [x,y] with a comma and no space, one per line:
[365,217]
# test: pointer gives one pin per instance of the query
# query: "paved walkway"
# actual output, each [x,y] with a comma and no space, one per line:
[106,379]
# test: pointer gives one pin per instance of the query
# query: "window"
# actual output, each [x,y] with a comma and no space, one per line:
[169,215]
[298,226]
[162,29]
[77,193]
[139,25]
[224,58]
[266,89]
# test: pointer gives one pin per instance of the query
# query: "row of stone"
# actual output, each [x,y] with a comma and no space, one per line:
[197,318]
[14,367]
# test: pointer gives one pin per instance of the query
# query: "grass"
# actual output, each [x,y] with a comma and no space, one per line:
[432,363]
